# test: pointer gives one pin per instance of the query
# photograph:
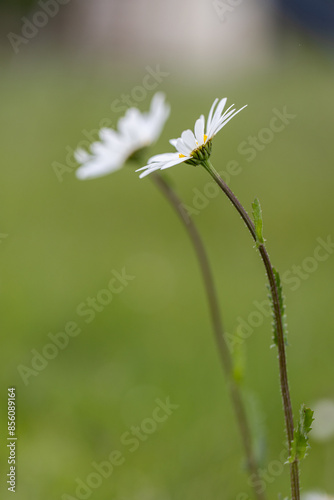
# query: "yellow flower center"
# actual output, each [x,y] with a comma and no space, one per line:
[183,156]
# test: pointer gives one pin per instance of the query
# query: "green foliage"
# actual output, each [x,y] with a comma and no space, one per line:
[300,443]
[282,308]
[258,222]
[65,238]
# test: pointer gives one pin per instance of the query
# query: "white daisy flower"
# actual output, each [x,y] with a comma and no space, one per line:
[313,495]
[194,147]
[323,425]
[135,131]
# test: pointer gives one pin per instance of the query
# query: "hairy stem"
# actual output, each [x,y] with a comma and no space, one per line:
[223,349]
[288,415]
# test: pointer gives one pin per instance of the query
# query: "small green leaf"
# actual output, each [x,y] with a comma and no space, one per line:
[308,419]
[300,444]
[258,222]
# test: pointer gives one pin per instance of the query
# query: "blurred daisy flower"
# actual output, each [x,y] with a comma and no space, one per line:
[323,425]
[194,147]
[313,495]
[135,131]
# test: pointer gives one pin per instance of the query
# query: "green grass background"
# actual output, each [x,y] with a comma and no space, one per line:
[155,339]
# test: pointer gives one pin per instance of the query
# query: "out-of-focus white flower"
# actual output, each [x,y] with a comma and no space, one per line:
[135,131]
[323,425]
[194,147]
[314,495]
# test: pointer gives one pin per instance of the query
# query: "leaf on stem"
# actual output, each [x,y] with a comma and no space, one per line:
[258,222]
[300,444]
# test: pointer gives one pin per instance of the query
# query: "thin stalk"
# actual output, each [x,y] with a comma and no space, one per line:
[288,415]
[223,350]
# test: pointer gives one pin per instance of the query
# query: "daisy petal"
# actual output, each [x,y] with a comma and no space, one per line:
[163,157]
[98,167]
[228,109]
[230,118]
[157,116]
[199,130]
[216,125]
[157,101]
[81,155]
[149,171]
[176,162]
[108,134]
[208,124]
[173,142]
[189,139]
[182,148]
[218,112]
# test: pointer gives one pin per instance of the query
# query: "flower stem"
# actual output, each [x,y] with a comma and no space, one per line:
[294,469]
[223,349]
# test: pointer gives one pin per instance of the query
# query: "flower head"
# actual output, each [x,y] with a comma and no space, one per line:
[323,425]
[194,147]
[312,495]
[135,131]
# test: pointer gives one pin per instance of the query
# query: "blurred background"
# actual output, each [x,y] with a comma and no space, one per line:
[69,67]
